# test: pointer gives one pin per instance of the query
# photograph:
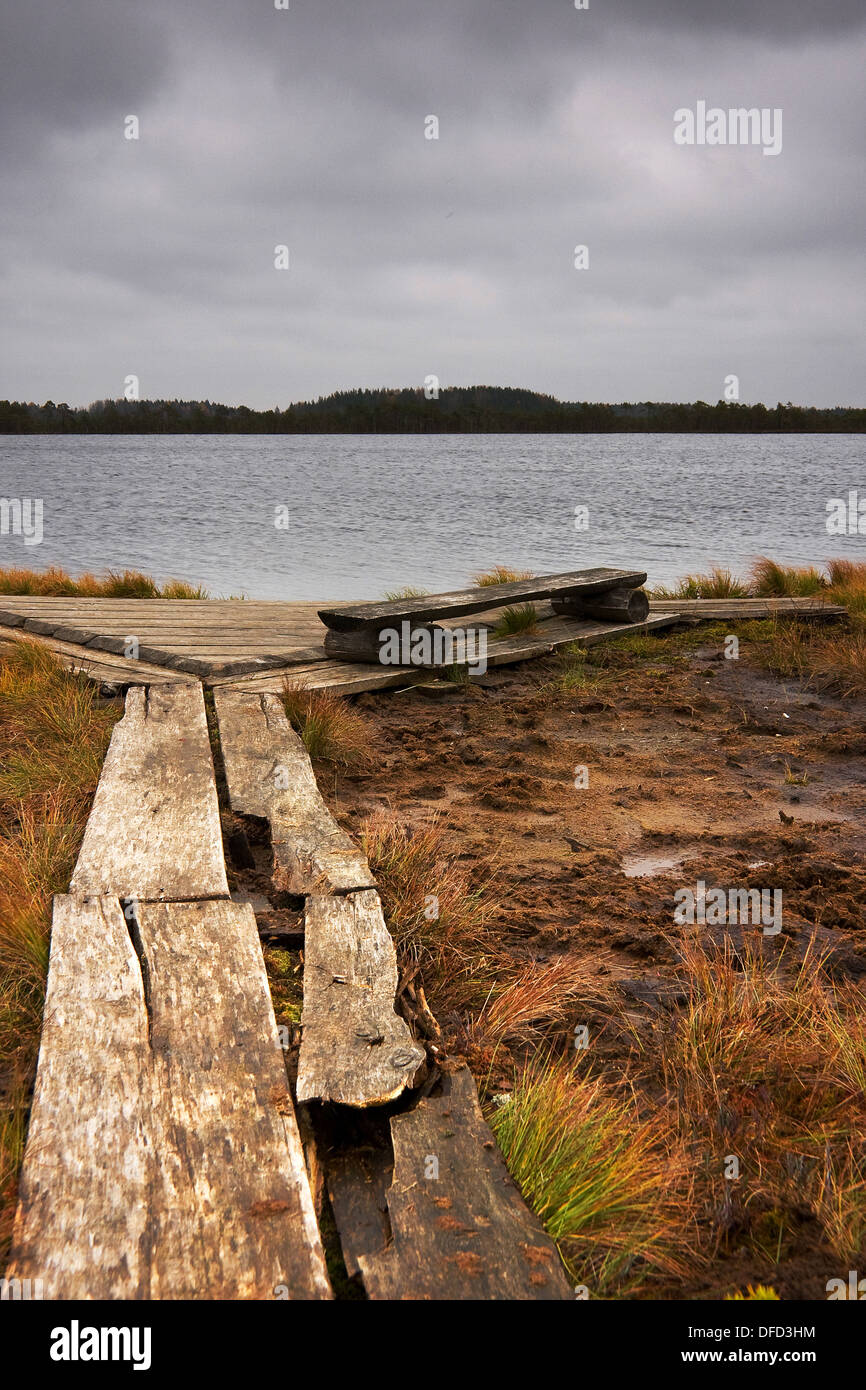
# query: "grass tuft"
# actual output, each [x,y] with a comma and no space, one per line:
[435,914]
[329,727]
[409,591]
[772,580]
[600,1177]
[521,618]
[500,574]
[719,583]
[56,583]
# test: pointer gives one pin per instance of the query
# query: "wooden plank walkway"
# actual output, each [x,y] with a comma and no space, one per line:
[202,637]
[115,671]
[269,774]
[163,1158]
[351,677]
[256,645]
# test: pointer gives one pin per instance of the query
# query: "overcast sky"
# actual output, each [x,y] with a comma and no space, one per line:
[410,256]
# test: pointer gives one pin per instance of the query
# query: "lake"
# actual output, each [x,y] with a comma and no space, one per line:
[367,513]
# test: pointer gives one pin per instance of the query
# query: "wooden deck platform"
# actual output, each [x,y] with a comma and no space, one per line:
[249,644]
[255,645]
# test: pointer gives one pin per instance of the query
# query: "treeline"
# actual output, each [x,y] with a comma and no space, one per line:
[457,410]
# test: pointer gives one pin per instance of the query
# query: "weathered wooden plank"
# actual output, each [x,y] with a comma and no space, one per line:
[269,774]
[163,1159]
[354,1047]
[233,1212]
[366,645]
[154,828]
[349,617]
[83,1218]
[113,669]
[459,1227]
[812,607]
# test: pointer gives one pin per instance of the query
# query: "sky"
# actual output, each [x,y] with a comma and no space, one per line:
[412,257]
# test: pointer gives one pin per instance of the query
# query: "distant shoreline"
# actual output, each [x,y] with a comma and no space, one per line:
[454,410]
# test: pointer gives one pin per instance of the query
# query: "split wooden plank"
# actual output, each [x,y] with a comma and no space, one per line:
[459,1227]
[163,1159]
[350,617]
[154,828]
[355,1049]
[83,1218]
[269,774]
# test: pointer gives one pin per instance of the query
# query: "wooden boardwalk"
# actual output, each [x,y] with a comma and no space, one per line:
[164,1157]
[252,645]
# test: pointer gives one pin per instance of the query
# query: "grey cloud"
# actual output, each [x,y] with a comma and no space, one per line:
[411,256]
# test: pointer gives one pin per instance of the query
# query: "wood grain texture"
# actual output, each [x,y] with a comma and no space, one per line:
[154,828]
[269,774]
[354,1048]
[349,617]
[202,637]
[732,608]
[233,1211]
[465,1233]
[83,1223]
[163,1159]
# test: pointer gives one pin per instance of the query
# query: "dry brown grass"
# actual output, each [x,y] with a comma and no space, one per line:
[767,1062]
[328,725]
[500,574]
[53,737]
[769,579]
[719,583]
[56,582]
[435,913]
[542,998]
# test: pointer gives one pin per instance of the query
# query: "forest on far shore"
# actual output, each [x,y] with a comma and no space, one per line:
[455,410]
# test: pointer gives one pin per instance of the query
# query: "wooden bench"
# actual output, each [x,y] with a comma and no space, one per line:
[355,630]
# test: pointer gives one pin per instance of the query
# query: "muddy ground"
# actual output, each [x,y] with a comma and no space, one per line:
[699,768]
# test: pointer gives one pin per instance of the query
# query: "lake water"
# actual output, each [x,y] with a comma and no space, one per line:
[371,513]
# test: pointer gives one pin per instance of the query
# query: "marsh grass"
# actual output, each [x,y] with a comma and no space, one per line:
[522,617]
[53,737]
[606,1182]
[719,583]
[540,998]
[767,1059]
[128,584]
[578,675]
[329,727]
[500,574]
[436,914]
[772,580]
